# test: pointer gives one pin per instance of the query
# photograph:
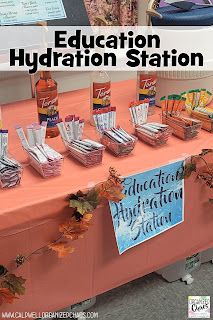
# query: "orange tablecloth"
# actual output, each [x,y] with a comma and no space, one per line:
[29,214]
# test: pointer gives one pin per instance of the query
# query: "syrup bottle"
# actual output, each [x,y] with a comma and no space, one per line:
[100,92]
[47,103]
[146,88]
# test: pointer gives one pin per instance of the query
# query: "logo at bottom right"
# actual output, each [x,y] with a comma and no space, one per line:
[199,307]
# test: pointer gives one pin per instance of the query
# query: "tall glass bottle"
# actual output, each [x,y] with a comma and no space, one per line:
[47,102]
[146,88]
[100,92]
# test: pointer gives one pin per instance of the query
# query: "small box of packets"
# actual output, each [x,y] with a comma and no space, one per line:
[45,160]
[86,151]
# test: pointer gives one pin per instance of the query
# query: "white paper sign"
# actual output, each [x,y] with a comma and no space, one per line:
[29,11]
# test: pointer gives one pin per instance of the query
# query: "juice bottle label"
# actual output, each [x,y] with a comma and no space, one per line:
[101,95]
[47,103]
[147,88]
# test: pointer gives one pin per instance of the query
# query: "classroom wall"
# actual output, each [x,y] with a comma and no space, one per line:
[142,6]
[15,86]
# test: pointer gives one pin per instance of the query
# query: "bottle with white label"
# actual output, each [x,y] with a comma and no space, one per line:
[100,92]
[47,103]
[146,88]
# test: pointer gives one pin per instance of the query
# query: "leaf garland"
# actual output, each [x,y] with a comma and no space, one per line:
[82,208]
[206,175]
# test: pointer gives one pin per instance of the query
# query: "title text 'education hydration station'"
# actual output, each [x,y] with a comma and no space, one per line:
[116,49]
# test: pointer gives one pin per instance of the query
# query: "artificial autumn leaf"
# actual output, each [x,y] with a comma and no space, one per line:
[81,205]
[73,229]
[112,188]
[87,217]
[205,172]
[115,176]
[78,216]
[60,248]
[3,270]
[205,152]
[84,203]
[93,198]
[188,169]
[14,284]
[207,178]
[6,296]
[112,193]
[76,196]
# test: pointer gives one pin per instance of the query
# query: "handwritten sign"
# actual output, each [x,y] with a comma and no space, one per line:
[154,203]
[29,11]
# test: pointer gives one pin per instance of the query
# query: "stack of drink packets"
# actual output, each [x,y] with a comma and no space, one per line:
[198,106]
[86,151]
[116,139]
[173,105]
[10,170]
[197,98]
[43,158]
[183,127]
[105,118]
[139,111]
[153,133]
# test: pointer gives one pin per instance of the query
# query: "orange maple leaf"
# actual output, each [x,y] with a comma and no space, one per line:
[73,229]
[6,296]
[112,188]
[87,217]
[60,248]
[112,191]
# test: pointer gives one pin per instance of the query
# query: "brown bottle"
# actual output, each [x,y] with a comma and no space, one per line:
[47,103]
[100,92]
